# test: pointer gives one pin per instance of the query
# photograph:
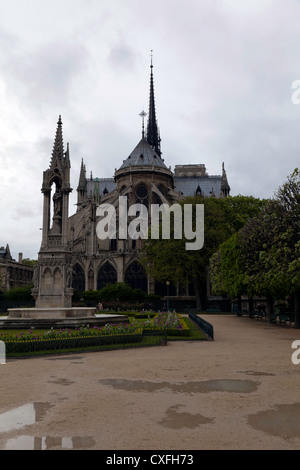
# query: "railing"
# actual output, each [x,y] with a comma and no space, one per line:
[204,325]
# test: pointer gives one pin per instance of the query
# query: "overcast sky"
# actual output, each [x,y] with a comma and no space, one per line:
[223,72]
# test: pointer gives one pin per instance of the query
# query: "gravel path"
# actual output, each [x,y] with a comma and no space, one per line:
[240,391]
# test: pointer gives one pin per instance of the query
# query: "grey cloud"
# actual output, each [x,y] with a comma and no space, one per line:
[45,75]
[122,56]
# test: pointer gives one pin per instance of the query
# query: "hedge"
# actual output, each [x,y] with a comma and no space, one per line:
[29,346]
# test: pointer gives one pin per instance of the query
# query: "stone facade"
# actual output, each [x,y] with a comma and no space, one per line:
[13,273]
[71,255]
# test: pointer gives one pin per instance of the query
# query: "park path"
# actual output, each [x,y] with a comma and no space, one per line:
[240,391]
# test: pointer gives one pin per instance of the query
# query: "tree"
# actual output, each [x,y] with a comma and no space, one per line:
[266,257]
[168,260]
[29,262]
[226,272]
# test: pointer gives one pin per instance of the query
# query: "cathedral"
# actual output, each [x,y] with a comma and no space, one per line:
[71,256]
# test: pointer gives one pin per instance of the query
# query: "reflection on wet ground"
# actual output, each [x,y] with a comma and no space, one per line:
[283,421]
[47,443]
[218,385]
[23,416]
[178,420]
[28,415]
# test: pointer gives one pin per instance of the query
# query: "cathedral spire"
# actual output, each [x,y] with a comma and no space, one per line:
[81,188]
[58,148]
[153,136]
[82,176]
[225,188]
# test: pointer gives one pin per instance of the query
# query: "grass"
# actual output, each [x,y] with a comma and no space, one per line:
[194,334]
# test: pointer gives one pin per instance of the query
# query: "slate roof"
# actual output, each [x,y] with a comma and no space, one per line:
[188,185]
[143,155]
[105,185]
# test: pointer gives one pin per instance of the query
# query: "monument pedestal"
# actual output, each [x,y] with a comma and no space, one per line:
[44,318]
[50,313]
[53,299]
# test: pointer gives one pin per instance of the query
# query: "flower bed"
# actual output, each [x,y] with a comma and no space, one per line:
[171,323]
[110,334]
[35,342]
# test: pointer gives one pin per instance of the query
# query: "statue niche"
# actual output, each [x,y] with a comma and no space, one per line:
[57,211]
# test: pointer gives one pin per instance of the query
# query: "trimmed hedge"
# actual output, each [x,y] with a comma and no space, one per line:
[38,345]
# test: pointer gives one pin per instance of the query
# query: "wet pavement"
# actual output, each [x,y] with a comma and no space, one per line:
[240,391]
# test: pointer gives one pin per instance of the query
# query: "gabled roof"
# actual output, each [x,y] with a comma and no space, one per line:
[143,155]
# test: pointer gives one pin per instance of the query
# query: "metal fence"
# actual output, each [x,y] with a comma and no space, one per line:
[204,325]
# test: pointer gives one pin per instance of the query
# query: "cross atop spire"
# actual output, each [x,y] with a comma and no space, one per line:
[153,136]
[143,115]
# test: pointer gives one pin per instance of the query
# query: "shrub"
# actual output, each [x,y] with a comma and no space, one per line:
[22,294]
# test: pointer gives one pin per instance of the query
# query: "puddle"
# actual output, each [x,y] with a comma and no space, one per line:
[256,373]
[65,358]
[283,421]
[47,443]
[219,385]
[23,416]
[28,415]
[178,420]
[59,381]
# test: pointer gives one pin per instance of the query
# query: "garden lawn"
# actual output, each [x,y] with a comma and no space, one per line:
[171,326]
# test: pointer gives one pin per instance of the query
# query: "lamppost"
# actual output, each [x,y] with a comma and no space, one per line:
[168,283]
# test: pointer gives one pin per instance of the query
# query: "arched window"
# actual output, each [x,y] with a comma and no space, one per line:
[142,194]
[107,274]
[78,281]
[113,244]
[136,276]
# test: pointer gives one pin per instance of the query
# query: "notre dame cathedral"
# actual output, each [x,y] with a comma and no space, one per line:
[71,255]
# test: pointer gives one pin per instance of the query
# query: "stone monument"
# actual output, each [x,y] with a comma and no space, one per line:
[54,272]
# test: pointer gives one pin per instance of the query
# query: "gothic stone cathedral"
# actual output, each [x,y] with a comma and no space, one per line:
[71,255]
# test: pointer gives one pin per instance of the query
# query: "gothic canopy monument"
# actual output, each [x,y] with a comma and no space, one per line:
[71,255]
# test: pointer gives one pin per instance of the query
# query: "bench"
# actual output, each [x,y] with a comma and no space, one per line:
[273,318]
[253,314]
[260,315]
[284,319]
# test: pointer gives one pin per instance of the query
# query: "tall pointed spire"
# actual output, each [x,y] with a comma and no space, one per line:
[225,188]
[82,176]
[58,148]
[153,136]
[81,188]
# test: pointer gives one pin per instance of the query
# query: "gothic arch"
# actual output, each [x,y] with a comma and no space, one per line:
[78,281]
[136,276]
[91,278]
[57,280]
[47,280]
[106,274]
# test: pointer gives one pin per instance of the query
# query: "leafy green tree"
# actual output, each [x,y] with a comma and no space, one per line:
[264,257]
[226,272]
[168,260]
[29,262]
